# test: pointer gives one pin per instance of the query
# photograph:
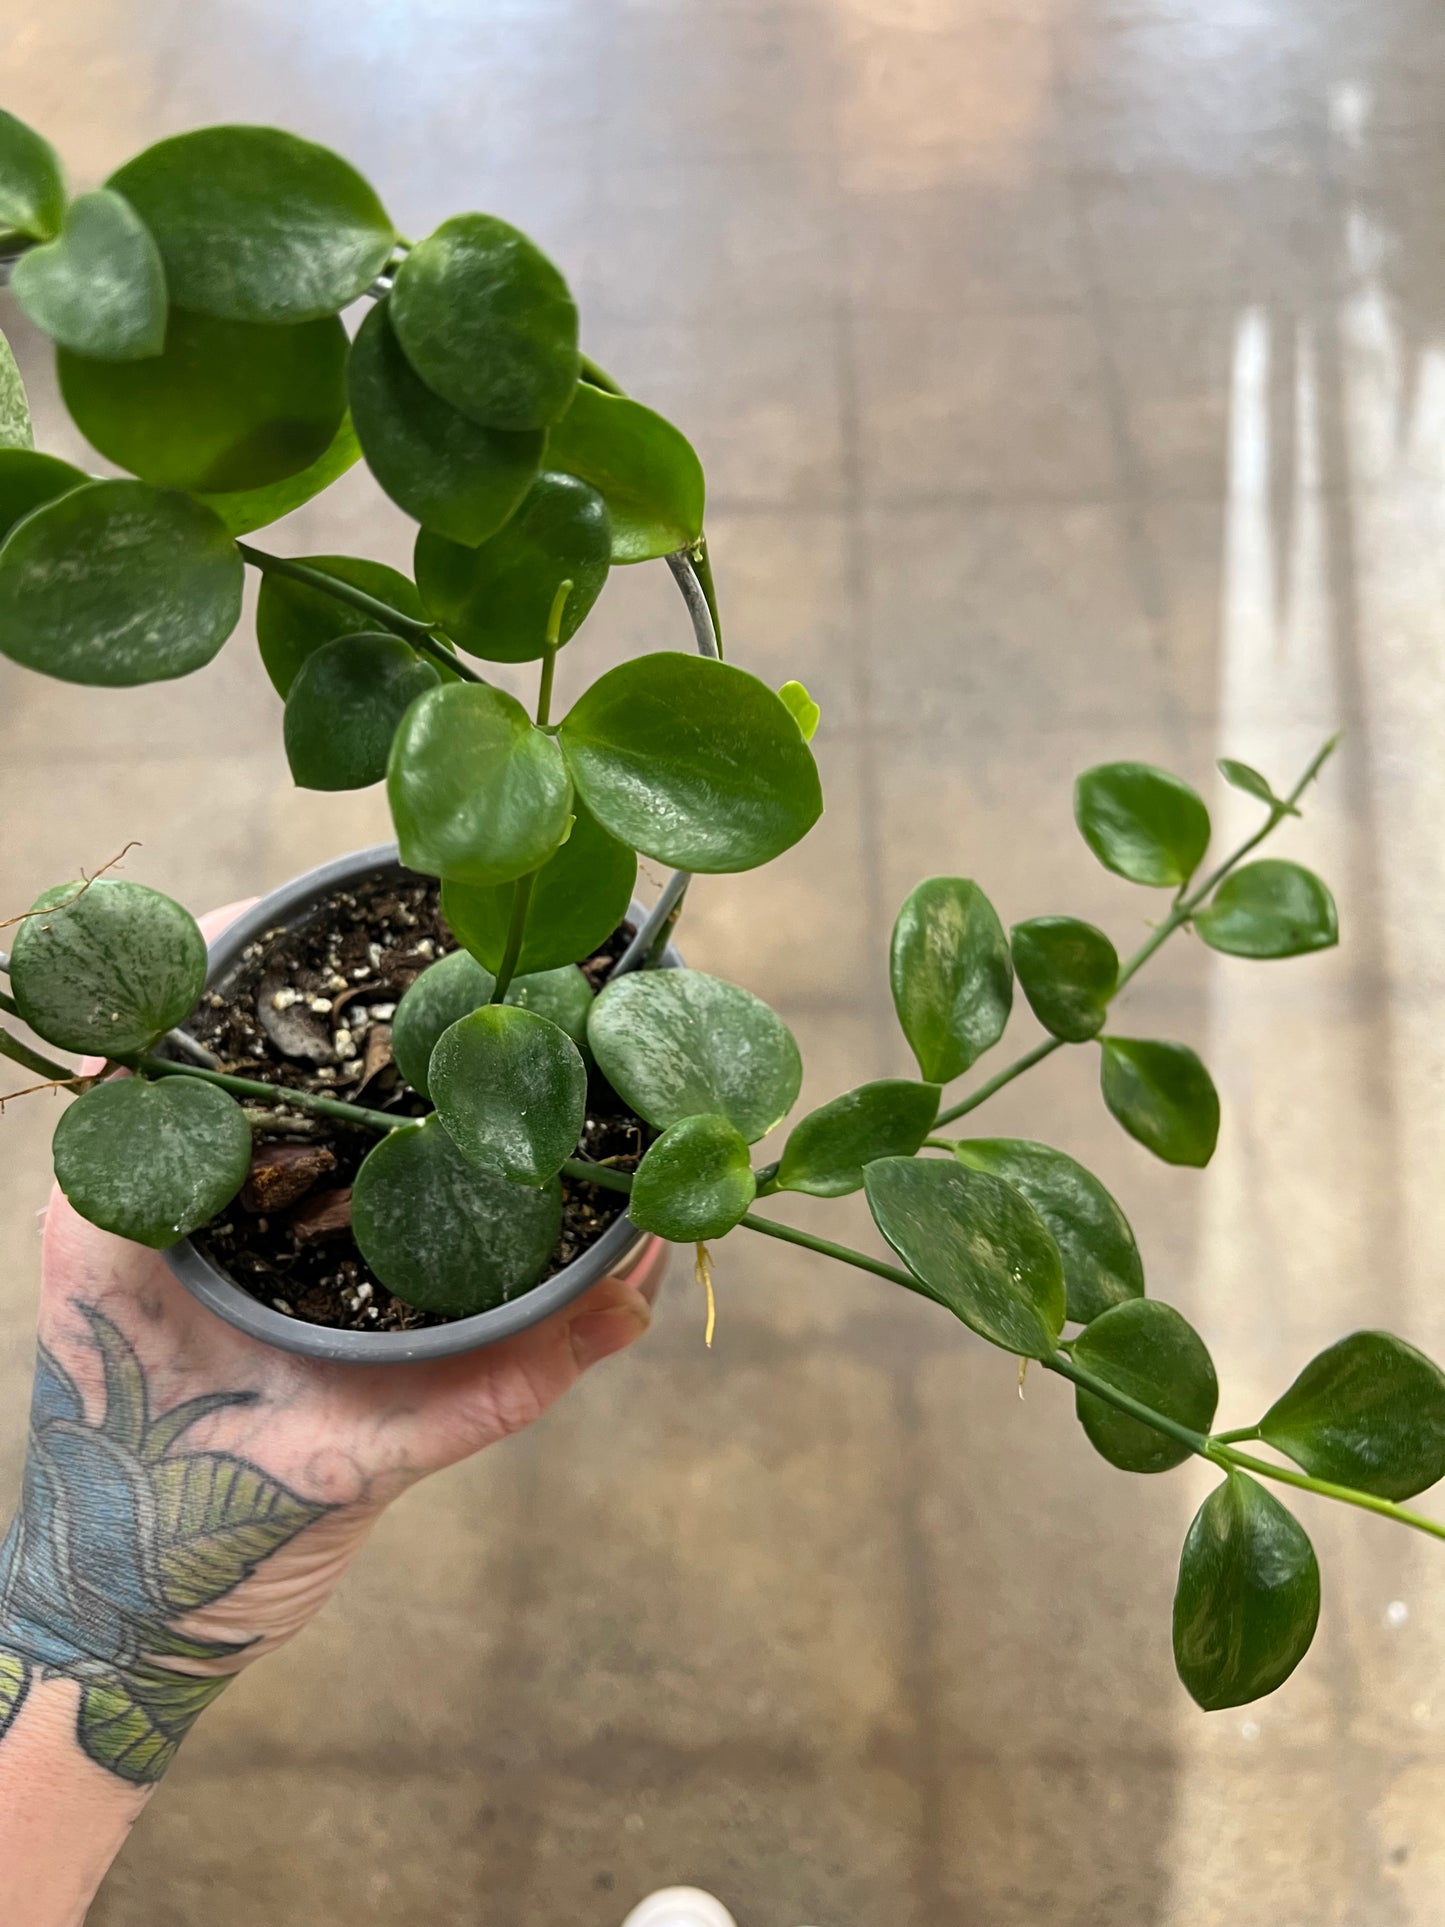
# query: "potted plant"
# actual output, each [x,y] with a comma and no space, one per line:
[421,1096]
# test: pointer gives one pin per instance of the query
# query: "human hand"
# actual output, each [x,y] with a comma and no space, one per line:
[192,1496]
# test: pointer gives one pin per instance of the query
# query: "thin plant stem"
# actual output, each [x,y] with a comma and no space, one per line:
[550,647]
[1242,1436]
[9,1004]
[32,1060]
[827,1249]
[279,1094]
[421,635]
[516,927]
[602,1174]
[1182,911]
[596,377]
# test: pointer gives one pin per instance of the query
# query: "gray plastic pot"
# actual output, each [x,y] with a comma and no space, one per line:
[289,908]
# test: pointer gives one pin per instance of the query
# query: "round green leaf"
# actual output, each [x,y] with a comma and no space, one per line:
[1163,1096]
[1145,1349]
[511,1088]
[801,707]
[694,1183]
[1269,909]
[827,1150]
[456,985]
[1068,971]
[1102,1266]
[257,225]
[487,322]
[245,509]
[15,429]
[495,600]
[580,896]
[644,469]
[27,479]
[677,1043]
[344,706]
[99,288]
[445,1235]
[1248,1598]
[229,405]
[107,966]
[293,619]
[1142,823]
[975,1245]
[1367,1413]
[477,792]
[442,468]
[951,975]
[32,188]
[693,762]
[118,583]
[150,1162]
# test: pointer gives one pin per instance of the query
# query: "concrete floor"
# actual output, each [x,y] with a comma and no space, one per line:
[1071,379]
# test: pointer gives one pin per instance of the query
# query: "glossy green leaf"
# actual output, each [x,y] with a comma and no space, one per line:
[976,1245]
[15,429]
[511,1089]
[1163,1096]
[1142,823]
[1146,1350]
[1067,970]
[677,1043]
[643,467]
[243,510]
[257,225]
[456,985]
[442,468]
[693,762]
[344,707]
[99,288]
[27,479]
[1241,776]
[32,188]
[580,896]
[229,405]
[150,1162]
[801,707]
[495,600]
[476,791]
[1269,909]
[1367,1413]
[293,619]
[827,1150]
[445,1235]
[951,975]
[118,583]
[488,323]
[694,1183]
[1101,1261]
[1248,1598]
[107,966]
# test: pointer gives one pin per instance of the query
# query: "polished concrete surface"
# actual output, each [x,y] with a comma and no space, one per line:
[1071,379]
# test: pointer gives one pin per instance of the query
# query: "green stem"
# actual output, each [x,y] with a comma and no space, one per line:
[596,377]
[703,566]
[843,1253]
[602,1174]
[46,1067]
[1180,914]
[1240,1437]
[9,1004]
[516,926]
[421,635]
[549,652]
[276,1093]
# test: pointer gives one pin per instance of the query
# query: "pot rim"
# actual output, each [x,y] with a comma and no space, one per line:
[287,906]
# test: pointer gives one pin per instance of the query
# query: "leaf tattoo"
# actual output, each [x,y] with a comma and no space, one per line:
[119,1533]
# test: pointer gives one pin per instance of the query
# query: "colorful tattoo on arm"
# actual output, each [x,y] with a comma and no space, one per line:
[121,1533]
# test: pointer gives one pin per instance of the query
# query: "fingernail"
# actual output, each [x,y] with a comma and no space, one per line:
[598,1334]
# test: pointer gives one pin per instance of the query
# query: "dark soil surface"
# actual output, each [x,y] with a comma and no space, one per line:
[311,1009]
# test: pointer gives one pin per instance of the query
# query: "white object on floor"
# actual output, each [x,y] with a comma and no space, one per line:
[680,1907]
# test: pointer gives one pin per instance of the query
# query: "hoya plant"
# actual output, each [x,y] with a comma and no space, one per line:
[237,323]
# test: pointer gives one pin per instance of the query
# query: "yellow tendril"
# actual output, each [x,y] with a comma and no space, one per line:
[702,1271]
